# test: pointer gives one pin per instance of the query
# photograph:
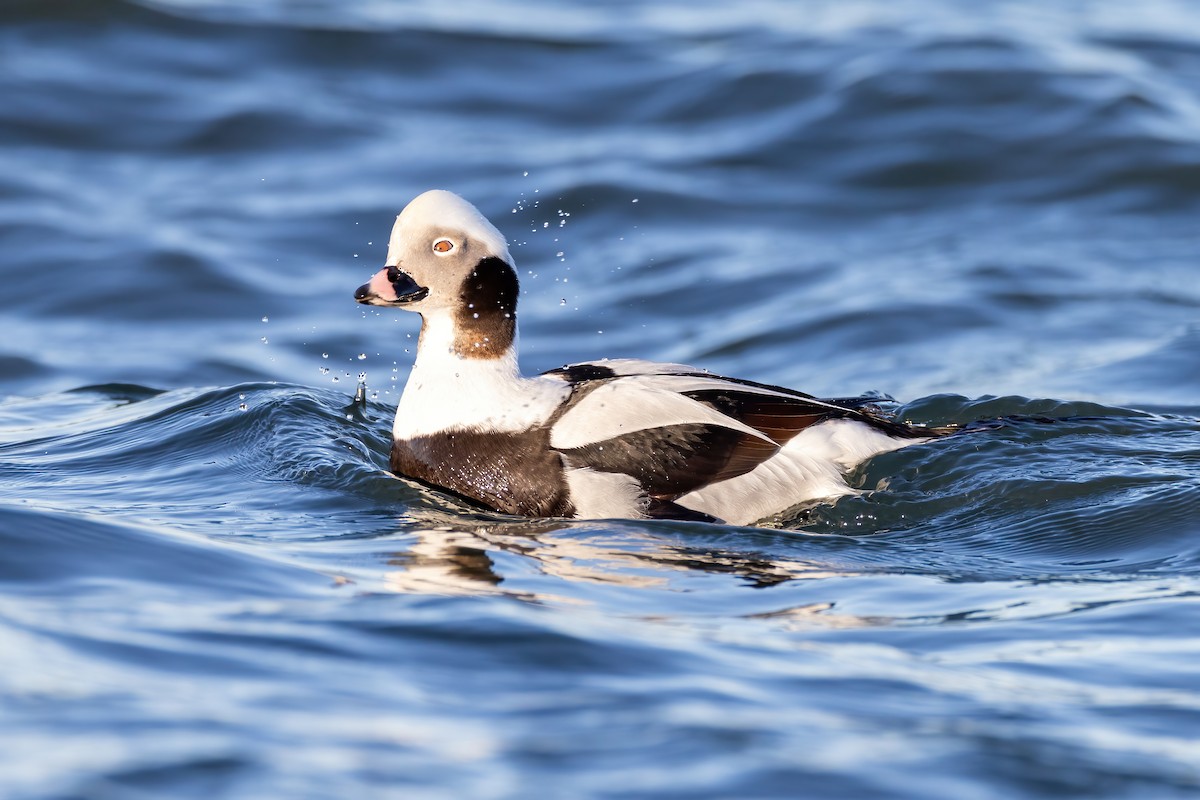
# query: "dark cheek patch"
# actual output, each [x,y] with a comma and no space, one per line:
[486,321]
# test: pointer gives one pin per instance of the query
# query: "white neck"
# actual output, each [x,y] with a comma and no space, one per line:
[448,392]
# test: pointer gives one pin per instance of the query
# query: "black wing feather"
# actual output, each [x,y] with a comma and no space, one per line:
[673,460]
[781,418]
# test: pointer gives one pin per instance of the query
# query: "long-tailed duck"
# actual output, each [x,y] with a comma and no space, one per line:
[613,438]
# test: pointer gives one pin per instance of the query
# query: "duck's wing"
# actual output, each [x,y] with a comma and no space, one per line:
[742,399]
[676,429]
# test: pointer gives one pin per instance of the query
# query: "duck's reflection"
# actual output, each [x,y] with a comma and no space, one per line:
[503,557]
[446,564]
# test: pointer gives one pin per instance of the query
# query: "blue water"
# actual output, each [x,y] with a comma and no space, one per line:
[210,585]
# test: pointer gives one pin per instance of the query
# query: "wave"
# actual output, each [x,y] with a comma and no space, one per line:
[952,115]
[1053,488]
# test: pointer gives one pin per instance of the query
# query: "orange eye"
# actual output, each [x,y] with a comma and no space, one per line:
[443,246]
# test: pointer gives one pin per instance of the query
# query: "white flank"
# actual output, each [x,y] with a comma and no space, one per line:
[447,392]
[634,404]
[604,495]
[811,466]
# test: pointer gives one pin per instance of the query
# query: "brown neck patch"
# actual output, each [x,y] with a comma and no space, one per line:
[485,323]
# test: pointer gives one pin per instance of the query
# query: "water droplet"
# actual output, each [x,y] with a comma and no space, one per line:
[266,319]
[335,378]
[635,199]
[324,370]
[562,302]
[264,340]
[559,254]
[475,315]
[242,407]
[324,355]
[362,356]
[545,224]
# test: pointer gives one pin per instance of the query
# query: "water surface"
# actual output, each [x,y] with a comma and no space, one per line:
[211,586]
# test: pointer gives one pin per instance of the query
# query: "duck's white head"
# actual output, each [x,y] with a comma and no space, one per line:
[446,260]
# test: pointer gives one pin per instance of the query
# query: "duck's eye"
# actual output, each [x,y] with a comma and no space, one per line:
[443,246]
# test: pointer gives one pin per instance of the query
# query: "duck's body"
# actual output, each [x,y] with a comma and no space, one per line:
[620,438]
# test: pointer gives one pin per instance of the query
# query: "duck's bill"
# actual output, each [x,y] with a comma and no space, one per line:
[390,287]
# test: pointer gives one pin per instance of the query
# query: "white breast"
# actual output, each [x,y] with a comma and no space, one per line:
[446,392]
